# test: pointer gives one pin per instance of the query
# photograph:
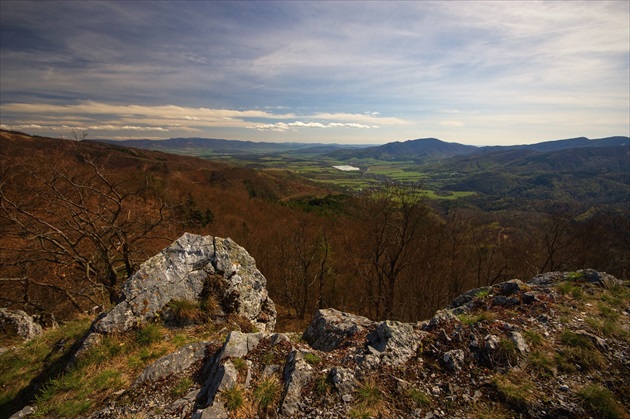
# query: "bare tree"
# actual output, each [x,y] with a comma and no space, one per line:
[393,219]
[81,222]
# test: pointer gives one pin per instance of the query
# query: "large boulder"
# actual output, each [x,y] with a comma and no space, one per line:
[18,323]
[186,270]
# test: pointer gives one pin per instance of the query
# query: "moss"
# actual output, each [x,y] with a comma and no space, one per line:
[311,358]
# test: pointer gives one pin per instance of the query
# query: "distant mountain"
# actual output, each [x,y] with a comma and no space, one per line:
[419,150]
[554,145]
[215,146]
[424,149]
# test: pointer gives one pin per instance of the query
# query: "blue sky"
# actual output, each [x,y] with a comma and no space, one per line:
[480,73]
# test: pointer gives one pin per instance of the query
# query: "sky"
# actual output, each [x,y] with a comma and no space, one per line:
[359,72]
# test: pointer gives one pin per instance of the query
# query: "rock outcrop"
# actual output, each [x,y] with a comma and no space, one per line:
[184,271]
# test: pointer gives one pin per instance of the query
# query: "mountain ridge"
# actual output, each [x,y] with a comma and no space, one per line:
[420,149]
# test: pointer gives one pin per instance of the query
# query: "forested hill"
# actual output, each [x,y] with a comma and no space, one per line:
[420,149]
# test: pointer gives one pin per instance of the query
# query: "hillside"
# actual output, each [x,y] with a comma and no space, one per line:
[555,346]
[598,175]
[425,149]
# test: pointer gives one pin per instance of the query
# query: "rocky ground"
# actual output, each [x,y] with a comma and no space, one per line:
[511,350]
[556,346]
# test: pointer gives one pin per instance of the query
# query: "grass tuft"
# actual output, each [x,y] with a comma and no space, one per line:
[419,398]
[369,394]
[267,394]
[234,398]
[149,334]
[515,388]
[601,402]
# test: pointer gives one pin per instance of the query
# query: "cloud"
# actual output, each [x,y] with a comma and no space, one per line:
[97,116]
[282,126]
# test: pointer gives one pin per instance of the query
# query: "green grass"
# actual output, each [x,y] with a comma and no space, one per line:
[149,334]
[601,402]
[469,319]
[321,385]
[38,360]
[515,388]
[533,338]
[579,351]
[419,398]
[369,394]
[234,398]
[541,364]
[311,358]
[575,291]
[267,393]
[482,293]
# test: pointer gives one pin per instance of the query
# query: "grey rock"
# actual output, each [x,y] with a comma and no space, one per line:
[217,411]
[519,342]
[589,275]
[330,328]
[509,287]
[171,364]
[442,317]
[221,373]
[180,272]
[18,323]
[529,297]
[24,413]
[599,342]
[344,381]
[454,359]
[599,278]
[502,300]
[492,343]
[297,373]
[398,342]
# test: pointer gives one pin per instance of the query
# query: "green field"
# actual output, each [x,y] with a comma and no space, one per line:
[372,172]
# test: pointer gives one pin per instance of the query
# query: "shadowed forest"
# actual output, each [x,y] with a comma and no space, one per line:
[78,217]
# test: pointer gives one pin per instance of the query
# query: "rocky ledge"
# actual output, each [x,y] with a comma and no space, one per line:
[510,350]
